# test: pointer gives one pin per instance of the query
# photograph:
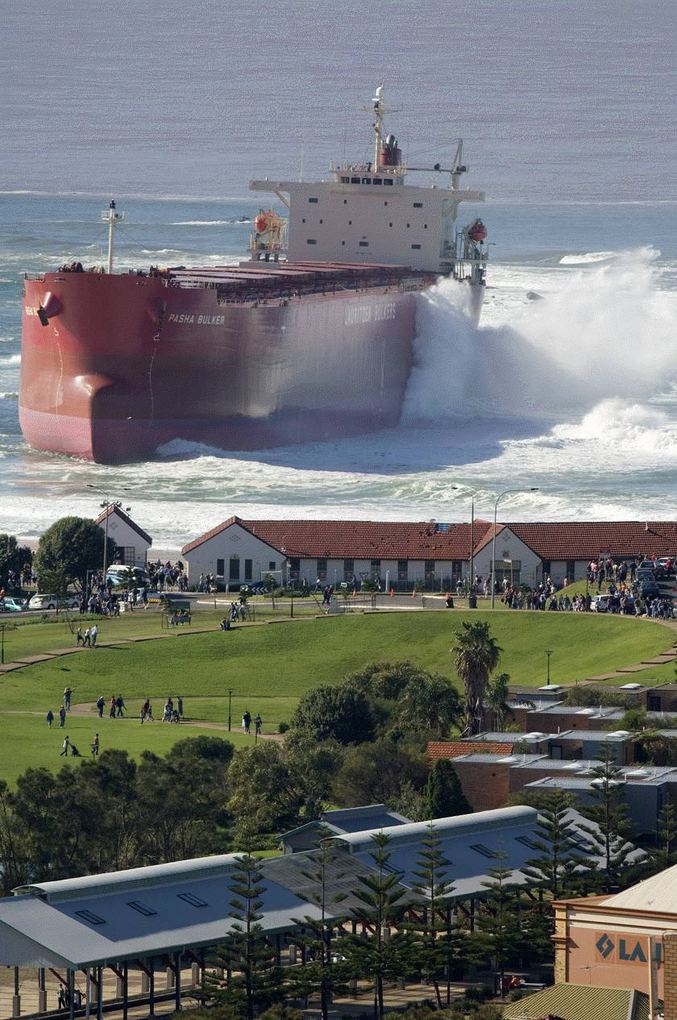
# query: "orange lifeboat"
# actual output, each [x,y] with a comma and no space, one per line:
[477,232]
[260,223]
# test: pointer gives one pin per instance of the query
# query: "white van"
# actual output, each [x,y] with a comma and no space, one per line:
[118,574]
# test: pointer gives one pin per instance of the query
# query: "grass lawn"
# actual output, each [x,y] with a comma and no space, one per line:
[269,667]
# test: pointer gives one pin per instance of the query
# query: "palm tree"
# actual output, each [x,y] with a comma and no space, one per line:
[476,655]
[497,700]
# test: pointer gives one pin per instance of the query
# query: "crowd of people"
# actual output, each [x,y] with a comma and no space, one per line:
[247,723]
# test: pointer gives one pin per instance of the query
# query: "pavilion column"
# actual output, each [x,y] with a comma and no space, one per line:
[195,973]
[177,986]
[71,993]
[145,983]
[88,993]
[42,991]
[125,991]
[16,998]
[99,992]
[151,1006]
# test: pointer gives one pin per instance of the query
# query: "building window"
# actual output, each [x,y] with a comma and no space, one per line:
[354,180]
[387,182]
[189,897]
[345,201]
[390,224]
[303,220]
[343,243]
[429,571]
[418,205]
[248,570]
[321,221]
[220,568]
[313,201]
[234,568]
[364,244]
[418,246]
[272,565]
[90,917]
[366,180]
[322,568]
[141,908]
[345,180]
[311,240]
[350,223]
[348,569]
[377,180]
[571,570]
[402,570]
[294,567]
[375,570]
[408,225]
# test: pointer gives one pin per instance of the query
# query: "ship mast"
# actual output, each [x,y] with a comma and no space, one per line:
[112,217]
[378,124]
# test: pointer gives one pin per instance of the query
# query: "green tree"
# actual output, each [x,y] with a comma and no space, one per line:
[476,656]
[608,810]
[378,772]
[13,558]
[435,938]
[386,680]
[54,582]
[665,854]
[430,704]
[496,699]
[73,545]
[560,861]
[337,712]
[325,974]
[264,796]
[499,933]
[256,980]
[313,767]
[444,792]
[376,952]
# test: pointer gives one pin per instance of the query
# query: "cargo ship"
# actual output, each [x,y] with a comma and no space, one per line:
[311,337]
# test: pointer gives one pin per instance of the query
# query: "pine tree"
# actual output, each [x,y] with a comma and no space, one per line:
[435,937]
[324,975]
[666,842]
[608,810]
[253,985]
[498,935]
[376,952]
[560,861]
[445,795]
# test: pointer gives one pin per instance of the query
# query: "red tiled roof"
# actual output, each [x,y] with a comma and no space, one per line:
[119,512]
[386,540]
[439,749]
[585,540]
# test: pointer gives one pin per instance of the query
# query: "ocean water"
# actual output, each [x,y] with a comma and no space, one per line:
[569,384]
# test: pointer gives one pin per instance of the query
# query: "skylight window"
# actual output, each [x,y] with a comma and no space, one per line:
[194,901]
[141,908]
[528,841]
[90,917]
[480,848]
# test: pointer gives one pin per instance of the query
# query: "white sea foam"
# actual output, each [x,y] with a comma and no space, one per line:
[210,223]
[8,395]
[12,359]
[587,258]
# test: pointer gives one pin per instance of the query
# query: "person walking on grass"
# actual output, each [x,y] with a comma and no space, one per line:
[246,721]
[67,692]
[65,747]
[95,746]
[258,723]
[93,636]
[79,639]
[50,718]
[62,716]
[100,705]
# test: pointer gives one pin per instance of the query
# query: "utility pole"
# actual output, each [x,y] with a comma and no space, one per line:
[230,705]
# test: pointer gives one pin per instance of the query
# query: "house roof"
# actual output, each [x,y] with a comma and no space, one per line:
[585,540]
[117,511]
[580,1002]
[438,750]
[421,540]
[658,893]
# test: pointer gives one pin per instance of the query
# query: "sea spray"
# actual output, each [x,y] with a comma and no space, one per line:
[601,333]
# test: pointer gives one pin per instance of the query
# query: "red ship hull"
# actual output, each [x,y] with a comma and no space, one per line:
[126,363]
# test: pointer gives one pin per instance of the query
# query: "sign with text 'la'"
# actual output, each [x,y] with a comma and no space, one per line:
[617,948]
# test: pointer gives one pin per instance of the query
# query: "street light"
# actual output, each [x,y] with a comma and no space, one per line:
[230,705]
[548,652]
[506,492]
[107,505]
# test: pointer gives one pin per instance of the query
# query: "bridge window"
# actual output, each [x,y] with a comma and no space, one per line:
[354,180]
[311,240]
[366,180]
[377,180]
[364,244]
[313,201]
[417,246]
[387,181]
[418,205]
[345,180]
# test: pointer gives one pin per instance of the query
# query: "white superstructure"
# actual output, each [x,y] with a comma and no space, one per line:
[367,214]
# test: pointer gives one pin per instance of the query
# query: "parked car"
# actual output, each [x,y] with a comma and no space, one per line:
[51,602]
[11,605]
[118,574]
[600,604]
[649,590]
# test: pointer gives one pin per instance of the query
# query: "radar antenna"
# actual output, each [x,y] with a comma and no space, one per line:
[378,109]
[458,167]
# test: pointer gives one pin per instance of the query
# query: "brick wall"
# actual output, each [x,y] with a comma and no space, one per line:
[485,785]
[670,976]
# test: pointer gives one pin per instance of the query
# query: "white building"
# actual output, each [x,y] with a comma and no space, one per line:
[396,554]
[132,542]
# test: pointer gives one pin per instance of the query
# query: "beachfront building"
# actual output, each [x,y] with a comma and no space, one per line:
[426,554]
[392,554]
[132,542]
